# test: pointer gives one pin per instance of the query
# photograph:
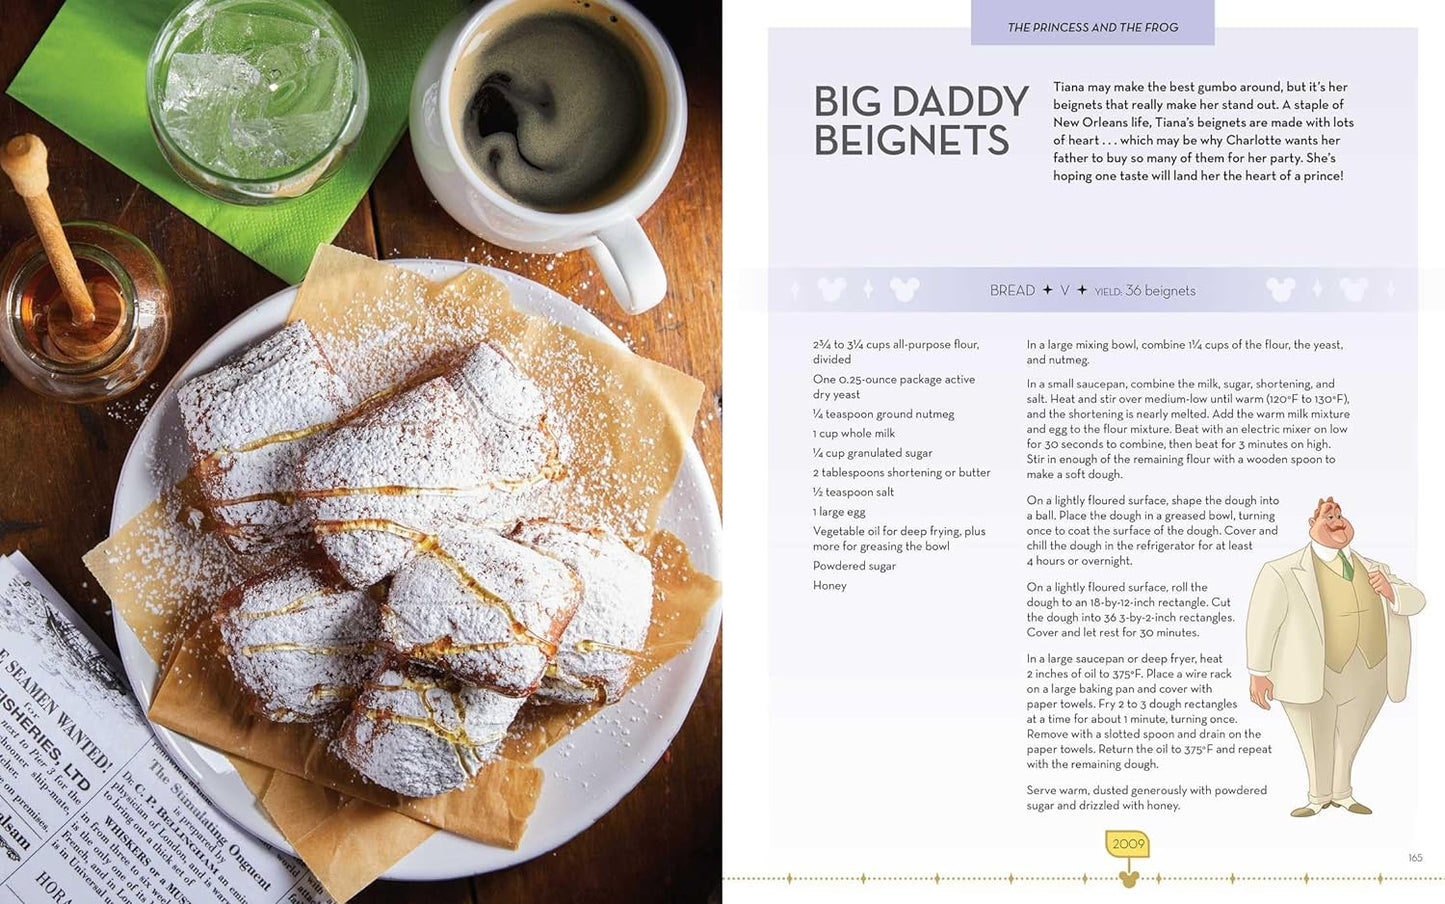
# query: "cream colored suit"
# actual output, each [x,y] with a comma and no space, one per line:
[1330,711]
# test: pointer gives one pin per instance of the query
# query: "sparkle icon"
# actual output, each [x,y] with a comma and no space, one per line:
[1317,289]
[868,289]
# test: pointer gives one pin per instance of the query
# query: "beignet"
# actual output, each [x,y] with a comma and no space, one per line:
[299,645]
[508,410]
[379,485]
[420,734]
[247,423]
[461,450]
[482,609]
[596,652]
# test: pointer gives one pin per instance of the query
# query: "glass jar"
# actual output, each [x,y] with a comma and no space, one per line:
[253,101]
[28,283]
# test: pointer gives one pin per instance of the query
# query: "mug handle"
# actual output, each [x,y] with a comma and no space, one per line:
[630,266]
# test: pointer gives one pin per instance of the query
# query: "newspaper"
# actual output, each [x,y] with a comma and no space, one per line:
[91,808]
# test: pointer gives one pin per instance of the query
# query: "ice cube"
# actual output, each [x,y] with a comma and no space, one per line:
[230,31]
[200,94]
[207,78]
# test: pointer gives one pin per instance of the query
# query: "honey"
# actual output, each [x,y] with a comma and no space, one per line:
[47,350]
[46,320]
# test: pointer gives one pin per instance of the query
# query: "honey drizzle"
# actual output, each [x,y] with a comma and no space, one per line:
[595,685]
[284,610]
[460,740]
[551,470]
[439,649]
[289,497]
[322,649]
[591,646]
[287,436]
[430,545]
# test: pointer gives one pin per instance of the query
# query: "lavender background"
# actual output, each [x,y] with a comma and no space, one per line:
[1193,18]
[927,662]
[1007,212]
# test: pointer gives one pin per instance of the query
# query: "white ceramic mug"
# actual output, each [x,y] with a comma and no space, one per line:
[625,257]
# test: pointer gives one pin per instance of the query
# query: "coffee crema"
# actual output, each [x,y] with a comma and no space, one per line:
[554,110]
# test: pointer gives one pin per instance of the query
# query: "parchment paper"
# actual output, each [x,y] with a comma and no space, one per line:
[346,842]
[624,423]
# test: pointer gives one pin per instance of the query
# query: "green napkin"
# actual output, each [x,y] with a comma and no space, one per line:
[87,75]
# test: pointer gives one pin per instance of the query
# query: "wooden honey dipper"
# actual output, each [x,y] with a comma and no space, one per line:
[96,308]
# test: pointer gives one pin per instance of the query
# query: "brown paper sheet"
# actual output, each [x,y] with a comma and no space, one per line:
[346,842]
[254,775]
[162,573]
[625,426]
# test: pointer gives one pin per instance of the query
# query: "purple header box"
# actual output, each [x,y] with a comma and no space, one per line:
[1093,22]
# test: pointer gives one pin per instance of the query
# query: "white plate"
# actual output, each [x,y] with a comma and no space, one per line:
[587,774]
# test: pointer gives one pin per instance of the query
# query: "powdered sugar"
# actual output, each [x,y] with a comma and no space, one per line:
[422,735]
[604,425]
[468,449]
[594,658]
[300,646]
[481,608]
[411,462]
[248,422]
[509,413]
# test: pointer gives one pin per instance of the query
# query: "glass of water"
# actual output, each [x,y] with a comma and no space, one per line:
[256,100]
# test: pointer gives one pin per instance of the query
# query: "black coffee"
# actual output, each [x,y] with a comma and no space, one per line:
[555,111]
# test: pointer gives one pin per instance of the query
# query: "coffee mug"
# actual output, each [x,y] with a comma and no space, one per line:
[609,230]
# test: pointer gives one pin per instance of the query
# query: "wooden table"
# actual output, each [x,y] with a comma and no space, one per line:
[59,464]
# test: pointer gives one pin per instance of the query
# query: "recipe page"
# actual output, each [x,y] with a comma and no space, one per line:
[1097,545]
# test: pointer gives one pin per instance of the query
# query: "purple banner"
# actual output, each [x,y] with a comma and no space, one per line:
[1093,22]
[1208,290]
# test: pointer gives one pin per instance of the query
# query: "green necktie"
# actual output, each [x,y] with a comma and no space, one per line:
[1347,566]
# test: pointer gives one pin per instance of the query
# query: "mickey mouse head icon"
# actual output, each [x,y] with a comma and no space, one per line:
[832,289]
[903,289]
[1354,289]
[1280,289]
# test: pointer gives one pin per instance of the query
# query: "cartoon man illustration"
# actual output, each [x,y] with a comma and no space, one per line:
[1328,636]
